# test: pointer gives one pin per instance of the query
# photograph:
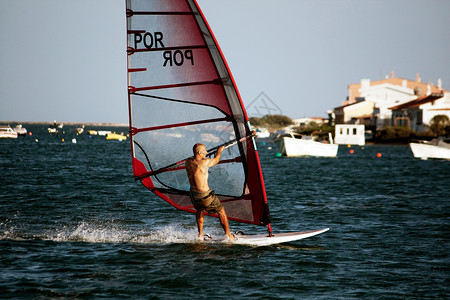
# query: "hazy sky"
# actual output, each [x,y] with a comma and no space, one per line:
[65,59]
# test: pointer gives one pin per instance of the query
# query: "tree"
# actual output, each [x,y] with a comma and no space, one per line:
[316,129]
[271,121]
[438,124]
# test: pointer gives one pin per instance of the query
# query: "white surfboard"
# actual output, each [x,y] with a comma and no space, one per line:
[265,240]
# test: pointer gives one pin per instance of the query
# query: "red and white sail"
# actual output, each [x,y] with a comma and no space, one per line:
[181,92]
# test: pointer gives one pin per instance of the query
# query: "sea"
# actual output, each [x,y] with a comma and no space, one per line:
[74,224]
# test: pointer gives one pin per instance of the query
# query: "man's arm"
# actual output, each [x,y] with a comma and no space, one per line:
[214,161]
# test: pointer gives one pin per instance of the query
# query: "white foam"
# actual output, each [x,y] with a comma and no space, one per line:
[112,233]
[94,233]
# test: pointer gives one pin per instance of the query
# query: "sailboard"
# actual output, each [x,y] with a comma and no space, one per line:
[181,92]
[258,240]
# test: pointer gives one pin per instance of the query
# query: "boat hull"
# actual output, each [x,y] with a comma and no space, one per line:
[115,136]
[424,151]
[298,147]
[7,132]
[8,135]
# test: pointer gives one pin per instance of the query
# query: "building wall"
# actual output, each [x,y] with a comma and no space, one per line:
[357,110]
[419,88]
[439,107]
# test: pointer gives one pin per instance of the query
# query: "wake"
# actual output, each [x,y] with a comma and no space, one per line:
[95,233]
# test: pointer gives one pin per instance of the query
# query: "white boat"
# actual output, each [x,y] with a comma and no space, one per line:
[80,129]
[436,148]
[293,144]
[7,132]
[20,130]
[59,125]
[262,132]
[103,132]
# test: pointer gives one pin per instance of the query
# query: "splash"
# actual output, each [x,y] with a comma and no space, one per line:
[106,233]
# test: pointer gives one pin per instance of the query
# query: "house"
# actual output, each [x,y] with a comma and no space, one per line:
[369,102]
[360,112]
[417,114]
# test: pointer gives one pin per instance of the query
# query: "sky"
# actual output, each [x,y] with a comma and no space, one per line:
[65,60]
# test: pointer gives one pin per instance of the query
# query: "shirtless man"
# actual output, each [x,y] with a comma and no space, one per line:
[202,196]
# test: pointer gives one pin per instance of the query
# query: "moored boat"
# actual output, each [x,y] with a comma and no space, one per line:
[293,144]
[436,148]
[20,129]
[7,132]
[262,132]
[115,136]
[103,132]
[79,130]
[92,132]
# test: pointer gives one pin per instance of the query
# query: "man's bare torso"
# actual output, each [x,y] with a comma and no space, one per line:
[197,170]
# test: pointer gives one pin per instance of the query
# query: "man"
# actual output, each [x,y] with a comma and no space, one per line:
[202,196]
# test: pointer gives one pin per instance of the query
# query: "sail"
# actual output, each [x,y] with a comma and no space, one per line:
[181,92]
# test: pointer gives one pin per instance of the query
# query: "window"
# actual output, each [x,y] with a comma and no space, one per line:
[419,117]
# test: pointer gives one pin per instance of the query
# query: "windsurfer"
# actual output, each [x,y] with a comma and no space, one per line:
[202,197]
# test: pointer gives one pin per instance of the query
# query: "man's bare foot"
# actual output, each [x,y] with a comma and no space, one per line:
[230,238]
[201,237]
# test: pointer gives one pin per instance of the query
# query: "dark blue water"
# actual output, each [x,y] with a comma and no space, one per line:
[75,224]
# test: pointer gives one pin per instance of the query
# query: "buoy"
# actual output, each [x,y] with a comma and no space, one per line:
[30,133]
[278,154]
[63,140]
[348,146]
[378,154]
[352,151]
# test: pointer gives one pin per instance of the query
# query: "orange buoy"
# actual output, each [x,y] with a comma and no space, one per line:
[378,154]
[352,151]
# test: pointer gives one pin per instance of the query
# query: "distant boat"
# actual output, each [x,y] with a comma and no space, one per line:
[293,144]
[115,136]
[92,132]
[20,130]
[80,130]
[262,132]
[54,127]
[103,132]
[7,132]
[436,148]
[58,125]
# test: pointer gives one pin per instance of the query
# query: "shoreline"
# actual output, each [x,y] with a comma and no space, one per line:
[67,123]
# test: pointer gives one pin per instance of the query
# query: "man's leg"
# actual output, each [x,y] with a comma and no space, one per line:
[200,220]
[224,222]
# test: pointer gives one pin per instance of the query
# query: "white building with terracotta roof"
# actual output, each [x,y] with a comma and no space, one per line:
[370,102]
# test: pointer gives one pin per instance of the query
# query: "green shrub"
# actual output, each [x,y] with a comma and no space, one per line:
[439,125]
[271,121]
[397,134]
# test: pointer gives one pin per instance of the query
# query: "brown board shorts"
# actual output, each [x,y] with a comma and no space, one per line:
[206,200]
